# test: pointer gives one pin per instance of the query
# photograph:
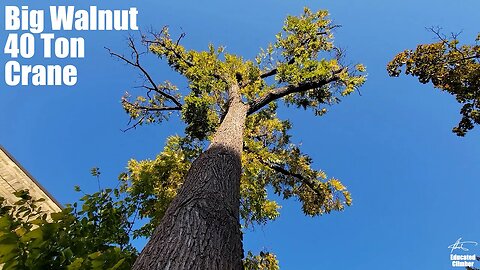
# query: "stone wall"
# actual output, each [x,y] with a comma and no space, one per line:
[14,177]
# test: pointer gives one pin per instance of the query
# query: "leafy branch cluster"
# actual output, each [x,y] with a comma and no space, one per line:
[450,67]
[93,236]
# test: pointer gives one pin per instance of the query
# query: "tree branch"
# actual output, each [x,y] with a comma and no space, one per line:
[136,63]
[286,172]
[158,41]
[152,109]
[289,89]
[300,177]
[445,41]
[134,126]
[274,71]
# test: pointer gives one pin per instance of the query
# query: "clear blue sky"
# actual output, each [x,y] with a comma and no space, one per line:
[414,183]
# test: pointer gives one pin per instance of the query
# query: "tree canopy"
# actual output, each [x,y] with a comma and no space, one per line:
[449,66]
[302,68]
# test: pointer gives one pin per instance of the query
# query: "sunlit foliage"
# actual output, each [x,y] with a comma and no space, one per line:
[301,68]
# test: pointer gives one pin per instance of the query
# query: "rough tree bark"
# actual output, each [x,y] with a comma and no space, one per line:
[201,228]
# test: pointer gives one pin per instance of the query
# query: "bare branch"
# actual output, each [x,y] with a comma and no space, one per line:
[444,40]
[134,126]
[136,63]
[289,89]
[152,109]
[182,35]
[158,41]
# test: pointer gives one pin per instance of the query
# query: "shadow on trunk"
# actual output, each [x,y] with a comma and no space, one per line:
[201,228]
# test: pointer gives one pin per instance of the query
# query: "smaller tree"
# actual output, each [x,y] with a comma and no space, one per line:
[95,235]
[92,234]
[450,67]
[263,261]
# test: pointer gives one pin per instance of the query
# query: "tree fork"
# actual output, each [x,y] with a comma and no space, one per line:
[201,228]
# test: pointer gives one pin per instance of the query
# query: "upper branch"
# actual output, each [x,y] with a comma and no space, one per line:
[135,62]
[175,53]
[172,47]
[274,71]
[152,109]
[289,89]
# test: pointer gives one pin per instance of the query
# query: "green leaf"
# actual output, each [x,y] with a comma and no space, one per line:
[118,264]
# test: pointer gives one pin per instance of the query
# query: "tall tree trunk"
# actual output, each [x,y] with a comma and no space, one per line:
[201,228]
